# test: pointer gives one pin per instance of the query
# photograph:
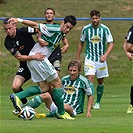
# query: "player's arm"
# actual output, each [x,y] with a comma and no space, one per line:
[128,54]
[129,47]
[25,22]
[41,41]
[20,57]
[89,105]
[80,47]
[66,45]
[108,51]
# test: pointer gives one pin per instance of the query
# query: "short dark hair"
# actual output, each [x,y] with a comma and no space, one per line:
[74,63]
[49,9]
[71,19]
[5,21]
[95,13]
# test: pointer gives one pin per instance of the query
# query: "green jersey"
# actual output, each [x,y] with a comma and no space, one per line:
[96,40]
[74,92]
[51,34]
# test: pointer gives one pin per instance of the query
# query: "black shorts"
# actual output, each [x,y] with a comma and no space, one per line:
[24,72]
[55,58]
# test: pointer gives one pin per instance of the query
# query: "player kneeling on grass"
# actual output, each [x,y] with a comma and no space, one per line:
[75,87]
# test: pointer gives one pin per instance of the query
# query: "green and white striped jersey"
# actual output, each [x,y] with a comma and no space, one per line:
[51,34]
[96,40]
[74,92]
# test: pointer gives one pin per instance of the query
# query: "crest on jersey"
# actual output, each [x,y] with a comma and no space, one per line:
[95,39]
[69,89]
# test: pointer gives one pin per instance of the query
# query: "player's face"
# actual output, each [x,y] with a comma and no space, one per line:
[49,15]
[95,21]
[74,73]
[66,27]
[10,29]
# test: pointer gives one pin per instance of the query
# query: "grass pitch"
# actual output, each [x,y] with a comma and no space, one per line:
[111,118]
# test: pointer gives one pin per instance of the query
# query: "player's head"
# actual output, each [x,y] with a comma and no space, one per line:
[49,15]
[74,69]
[68,23]
[10,28]
[95,17]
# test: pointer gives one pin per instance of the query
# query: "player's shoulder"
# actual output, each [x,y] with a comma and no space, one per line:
[84,79]
[87,26]
[104,26]
[65,77]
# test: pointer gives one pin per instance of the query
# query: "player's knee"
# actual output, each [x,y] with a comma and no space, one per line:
[45,96]
[15,88]
[91,78]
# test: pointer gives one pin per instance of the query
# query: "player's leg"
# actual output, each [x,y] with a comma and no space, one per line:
[99,90]
[57,94]
[18,81]
[131,95]
[101,73]
[90,70]
[57,98]
[130,107]
[70,110]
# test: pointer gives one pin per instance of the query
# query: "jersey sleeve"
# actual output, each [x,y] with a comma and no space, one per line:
[27,30]
[83,35]
[109,37]
[44,29]
[86,85]
[130,35]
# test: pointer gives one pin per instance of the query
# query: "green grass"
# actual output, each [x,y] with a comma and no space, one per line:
[111,118]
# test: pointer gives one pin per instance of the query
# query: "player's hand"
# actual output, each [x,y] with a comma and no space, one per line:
[39,56]
[13,20]
[129,56]
[42,42]
[64,49]
[88,114]
[103,58]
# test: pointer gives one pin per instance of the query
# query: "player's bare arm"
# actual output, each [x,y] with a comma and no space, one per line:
[66,45]
[25,22]
[80,47]
[20,57]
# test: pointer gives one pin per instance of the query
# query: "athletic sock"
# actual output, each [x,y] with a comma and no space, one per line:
[53,108]
[30,91]
[57,97]
[23,100]
[131,96]
[100,89]
[35,102]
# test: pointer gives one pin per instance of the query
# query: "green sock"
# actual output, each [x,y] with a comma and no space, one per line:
[100,89]
[35,102]
[30,91]
[57,97]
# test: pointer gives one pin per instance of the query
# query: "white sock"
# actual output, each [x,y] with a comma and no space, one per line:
[53,107]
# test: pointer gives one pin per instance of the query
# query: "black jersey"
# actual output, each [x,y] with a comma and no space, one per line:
[22,42]
[130,35]
[56,56]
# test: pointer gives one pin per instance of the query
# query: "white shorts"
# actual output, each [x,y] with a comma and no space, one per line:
[95,68]
[42,70]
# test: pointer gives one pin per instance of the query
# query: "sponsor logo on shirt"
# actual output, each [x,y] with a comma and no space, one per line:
[95,39]
[69,89]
